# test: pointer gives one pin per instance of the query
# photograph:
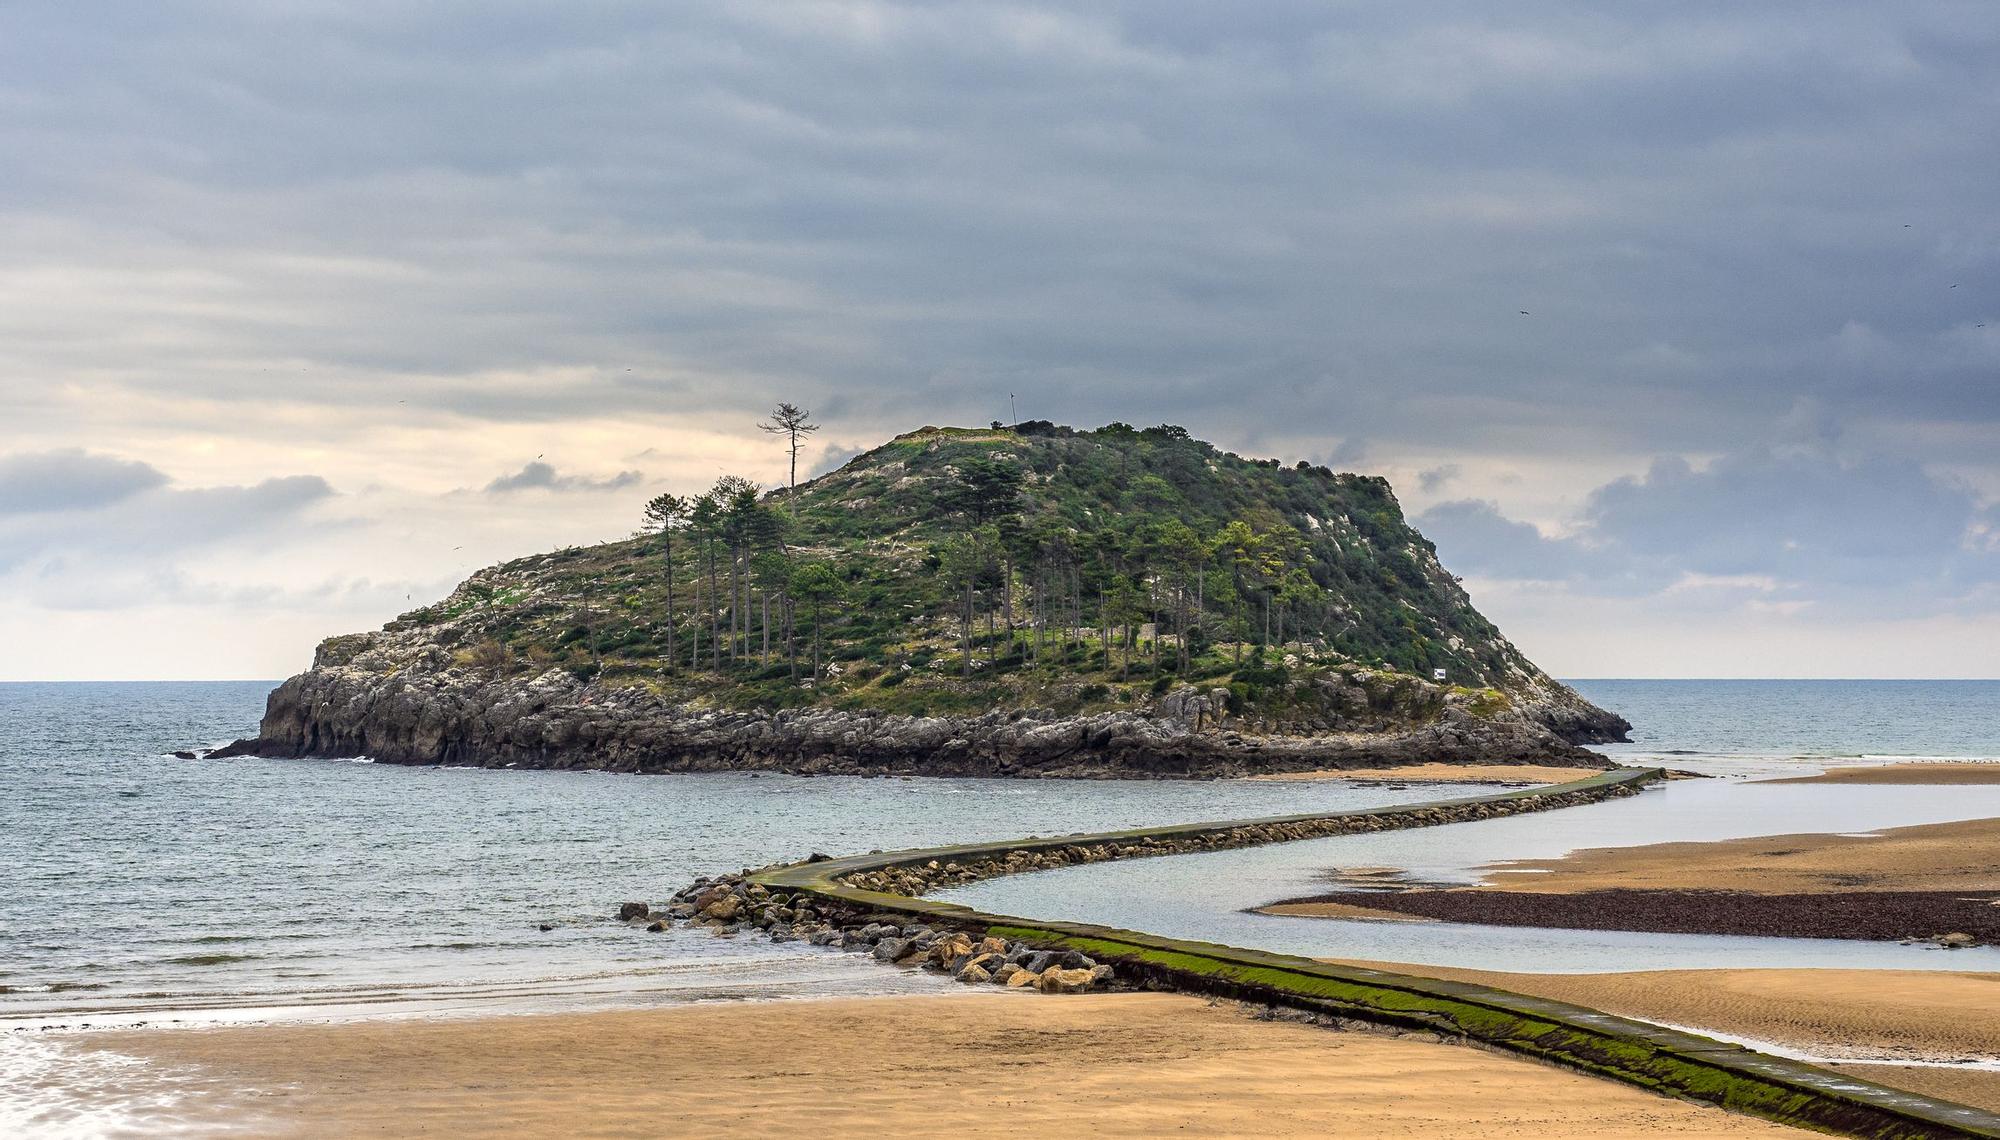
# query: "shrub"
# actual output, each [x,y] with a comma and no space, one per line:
[489,657]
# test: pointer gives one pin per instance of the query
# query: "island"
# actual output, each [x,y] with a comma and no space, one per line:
[1029,600]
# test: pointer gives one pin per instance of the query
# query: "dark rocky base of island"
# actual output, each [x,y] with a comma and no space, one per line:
[1949,918]
[556,722]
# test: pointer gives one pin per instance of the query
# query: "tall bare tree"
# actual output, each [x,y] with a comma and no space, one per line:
[795,424]
[666,514]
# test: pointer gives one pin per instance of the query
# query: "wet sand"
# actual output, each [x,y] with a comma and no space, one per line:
[1879,916]
[1960,1086]
[1445,774]
[1913,772]
[1934,857]
[1103,1065]
[1888,1014]
[1909,882]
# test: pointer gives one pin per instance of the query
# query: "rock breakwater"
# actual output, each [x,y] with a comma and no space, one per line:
[739,902]
[730,904]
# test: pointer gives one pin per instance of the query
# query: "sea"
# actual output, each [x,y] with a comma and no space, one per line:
[141,889]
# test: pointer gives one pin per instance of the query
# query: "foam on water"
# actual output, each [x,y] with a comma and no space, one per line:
[54,1089]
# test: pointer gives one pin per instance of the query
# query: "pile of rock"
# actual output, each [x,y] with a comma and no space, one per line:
[915,880]
[1015,965]
[731,904]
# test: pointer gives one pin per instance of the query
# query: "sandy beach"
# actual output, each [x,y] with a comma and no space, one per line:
[1901,1014]
[1111,1065]
[1909,772]
[1933,857]
[1445,774]
[1931,881]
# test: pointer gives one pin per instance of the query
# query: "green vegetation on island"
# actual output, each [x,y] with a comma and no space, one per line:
[952,571]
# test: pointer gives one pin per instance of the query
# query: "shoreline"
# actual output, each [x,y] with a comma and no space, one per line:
[1940,772]
[1128,1064]
[1506,775]
[1904,1027]
[1928,882]
[1952,918]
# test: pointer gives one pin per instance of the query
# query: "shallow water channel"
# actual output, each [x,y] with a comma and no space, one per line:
[1207,897]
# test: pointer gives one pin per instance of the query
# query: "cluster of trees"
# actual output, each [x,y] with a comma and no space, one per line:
[1041,585]
[1247,582]
[739,543]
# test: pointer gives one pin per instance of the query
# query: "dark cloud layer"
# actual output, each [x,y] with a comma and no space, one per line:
[1467,242]
[1324,216]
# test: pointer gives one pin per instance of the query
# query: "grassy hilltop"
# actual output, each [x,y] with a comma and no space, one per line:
[952,571]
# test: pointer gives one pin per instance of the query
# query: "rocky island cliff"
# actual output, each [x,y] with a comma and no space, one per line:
[1024,601]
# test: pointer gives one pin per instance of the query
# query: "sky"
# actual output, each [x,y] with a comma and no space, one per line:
[1677,327]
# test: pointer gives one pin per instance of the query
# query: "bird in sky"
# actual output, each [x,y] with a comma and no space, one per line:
[1524,312]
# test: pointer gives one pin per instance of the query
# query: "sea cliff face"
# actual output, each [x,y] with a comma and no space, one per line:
[401,699]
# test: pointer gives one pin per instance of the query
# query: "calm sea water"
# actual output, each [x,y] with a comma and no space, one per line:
[1750,721]
[138,886]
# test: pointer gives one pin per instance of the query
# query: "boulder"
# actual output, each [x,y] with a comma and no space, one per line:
[987,962]
[973,975]
[632,910]
[1060,981]
[1020,978]
[724,909]
[945,950]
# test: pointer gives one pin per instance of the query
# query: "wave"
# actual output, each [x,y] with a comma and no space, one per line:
[208,959]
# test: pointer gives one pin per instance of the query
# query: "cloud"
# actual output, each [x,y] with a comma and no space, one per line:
[1310,215]
[1790,526]
[150,526]
[1434,478]
[410,241]
[70,479]
[1806,517]
[540,476]
[833,457]
[1473,537]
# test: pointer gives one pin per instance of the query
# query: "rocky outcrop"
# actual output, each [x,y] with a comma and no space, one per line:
[402,700]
